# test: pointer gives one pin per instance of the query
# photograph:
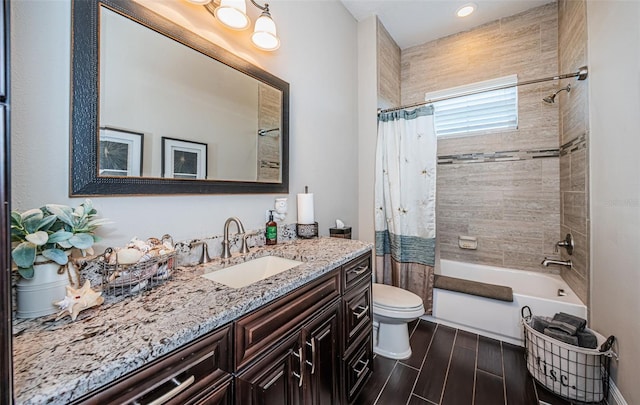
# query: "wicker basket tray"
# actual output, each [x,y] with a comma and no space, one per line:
[121,279]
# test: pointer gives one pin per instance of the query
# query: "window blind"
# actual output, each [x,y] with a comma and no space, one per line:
[476,113]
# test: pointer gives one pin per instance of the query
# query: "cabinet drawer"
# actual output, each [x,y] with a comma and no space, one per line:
[356,270]
[178,376]
[358,368]
[221,395]
[255,332]
[357,312]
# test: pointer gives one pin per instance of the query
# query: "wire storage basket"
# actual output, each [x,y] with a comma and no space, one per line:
[128,279]
[572,372]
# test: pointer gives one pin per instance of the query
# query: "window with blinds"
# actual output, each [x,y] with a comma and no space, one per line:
[478,113]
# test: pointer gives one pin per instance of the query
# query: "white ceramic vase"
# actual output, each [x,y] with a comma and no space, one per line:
[36,296]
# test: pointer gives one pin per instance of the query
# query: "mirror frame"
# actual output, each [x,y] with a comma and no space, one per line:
[85,93]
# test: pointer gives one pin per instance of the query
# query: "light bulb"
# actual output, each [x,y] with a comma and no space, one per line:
[466,10]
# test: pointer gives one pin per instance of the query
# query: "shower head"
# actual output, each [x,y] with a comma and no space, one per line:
[552,98]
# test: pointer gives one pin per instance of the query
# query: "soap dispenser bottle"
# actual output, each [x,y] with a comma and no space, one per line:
[271,234]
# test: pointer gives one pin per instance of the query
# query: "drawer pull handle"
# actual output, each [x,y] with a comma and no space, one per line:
[363,311]
[312,363]
[365,364]
[301,375]
[175,391]
[359,270]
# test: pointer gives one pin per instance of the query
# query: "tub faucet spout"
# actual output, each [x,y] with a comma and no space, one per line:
[546,262]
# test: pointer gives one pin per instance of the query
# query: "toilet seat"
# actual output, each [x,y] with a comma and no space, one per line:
[396,302]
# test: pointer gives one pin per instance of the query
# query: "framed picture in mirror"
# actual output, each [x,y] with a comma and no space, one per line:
[120,152]
[183,159]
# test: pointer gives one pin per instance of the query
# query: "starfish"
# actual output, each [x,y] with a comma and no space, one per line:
[78,299]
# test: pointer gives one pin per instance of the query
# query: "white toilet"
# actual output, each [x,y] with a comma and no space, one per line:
[393,309]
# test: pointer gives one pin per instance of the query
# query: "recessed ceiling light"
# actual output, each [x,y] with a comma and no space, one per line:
[466,10]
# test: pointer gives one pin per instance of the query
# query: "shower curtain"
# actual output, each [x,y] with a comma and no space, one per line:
[405,200]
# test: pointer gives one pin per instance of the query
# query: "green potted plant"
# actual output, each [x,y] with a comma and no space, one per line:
[42,241]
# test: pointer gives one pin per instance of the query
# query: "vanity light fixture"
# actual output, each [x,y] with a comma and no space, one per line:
[466,10]
[233,14]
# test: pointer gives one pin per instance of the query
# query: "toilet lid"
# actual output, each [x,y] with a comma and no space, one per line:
[394,297]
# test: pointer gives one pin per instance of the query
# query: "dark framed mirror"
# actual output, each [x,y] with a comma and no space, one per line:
[227,119]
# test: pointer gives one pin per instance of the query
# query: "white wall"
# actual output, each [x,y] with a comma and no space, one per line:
[614,100]
[318,57]
[367,128]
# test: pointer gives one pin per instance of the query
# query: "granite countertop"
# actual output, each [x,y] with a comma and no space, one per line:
[56,362]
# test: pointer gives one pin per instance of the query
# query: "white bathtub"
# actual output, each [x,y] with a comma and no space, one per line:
[500,319]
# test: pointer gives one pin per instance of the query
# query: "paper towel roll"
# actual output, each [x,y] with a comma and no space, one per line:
[305,208]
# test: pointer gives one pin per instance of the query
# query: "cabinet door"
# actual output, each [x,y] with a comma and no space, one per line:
[322,357]
[277,378]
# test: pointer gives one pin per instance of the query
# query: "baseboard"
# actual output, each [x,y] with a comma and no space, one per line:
[615,396]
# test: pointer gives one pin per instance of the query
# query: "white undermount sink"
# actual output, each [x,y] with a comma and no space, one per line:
[243,274]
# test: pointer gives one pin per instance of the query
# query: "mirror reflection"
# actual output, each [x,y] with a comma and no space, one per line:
[169,111]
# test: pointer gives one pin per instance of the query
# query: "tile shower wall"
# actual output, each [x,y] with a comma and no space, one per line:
[574,141]
[268,156]
[502,188]
[388,55]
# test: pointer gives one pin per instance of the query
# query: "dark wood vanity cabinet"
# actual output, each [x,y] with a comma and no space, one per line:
[321,339]
[311,346]
[304,366]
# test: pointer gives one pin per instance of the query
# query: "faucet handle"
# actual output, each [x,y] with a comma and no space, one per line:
[204,257]
[205,253]
[244,247]
[567,243]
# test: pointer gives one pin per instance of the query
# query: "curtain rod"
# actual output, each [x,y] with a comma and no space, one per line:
[581,74]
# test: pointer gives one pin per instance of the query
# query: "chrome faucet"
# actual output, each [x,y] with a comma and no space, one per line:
[546,262]
[226,252]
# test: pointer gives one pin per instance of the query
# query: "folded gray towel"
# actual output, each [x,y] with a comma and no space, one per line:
[561,336]
[567,323]
[587,339]
[540,323]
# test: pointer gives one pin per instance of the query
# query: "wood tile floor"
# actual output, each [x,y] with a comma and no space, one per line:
[454,367]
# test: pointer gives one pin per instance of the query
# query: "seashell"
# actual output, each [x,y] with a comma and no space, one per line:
[138,244]
[129,256]
[78,299]
[156,251]
[154,242]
